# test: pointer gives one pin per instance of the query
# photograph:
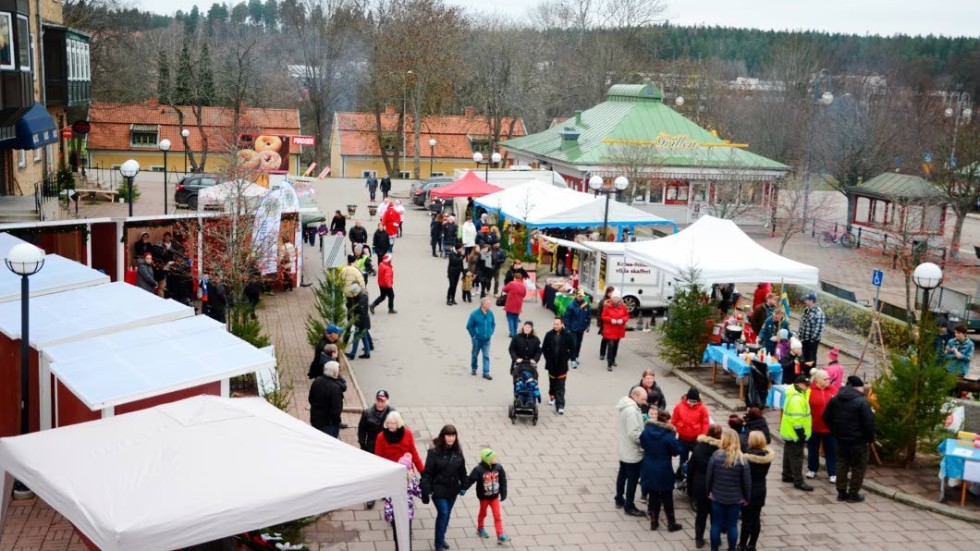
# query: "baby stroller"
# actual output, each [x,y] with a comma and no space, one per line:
[527,394]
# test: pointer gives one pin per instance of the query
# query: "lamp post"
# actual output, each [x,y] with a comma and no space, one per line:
[927,276]
[129,170]
[25,260]
[165,147]
[185,133]
[432,153]
[596,184]
[408,74]
[820,99]
[494,159]
[961,114]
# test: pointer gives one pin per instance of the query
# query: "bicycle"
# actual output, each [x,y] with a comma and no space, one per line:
[845,237]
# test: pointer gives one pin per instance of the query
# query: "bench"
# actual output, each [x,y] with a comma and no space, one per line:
[838,292]
[92,193]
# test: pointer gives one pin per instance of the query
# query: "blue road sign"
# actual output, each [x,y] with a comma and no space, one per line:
[877,277]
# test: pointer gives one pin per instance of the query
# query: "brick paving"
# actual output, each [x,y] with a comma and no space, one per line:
[561,472]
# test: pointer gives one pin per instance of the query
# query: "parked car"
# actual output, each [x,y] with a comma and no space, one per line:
[420,190]
[189,186]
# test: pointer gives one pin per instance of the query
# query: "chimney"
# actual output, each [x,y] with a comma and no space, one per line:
[468,113]
[578,117]
[569,137]
[389,109]
[152,102]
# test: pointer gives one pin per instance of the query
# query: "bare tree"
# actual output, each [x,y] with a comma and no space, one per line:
[955,166]
[788,217]
[637,161]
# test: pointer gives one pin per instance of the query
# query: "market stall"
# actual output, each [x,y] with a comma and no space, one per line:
[65,317]
[526,201]
[59,274]
[593,213]
[112,374]
[231,465]
[469,185]
[721,253]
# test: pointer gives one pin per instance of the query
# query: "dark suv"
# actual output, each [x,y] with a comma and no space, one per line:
[420,190]
[189,186]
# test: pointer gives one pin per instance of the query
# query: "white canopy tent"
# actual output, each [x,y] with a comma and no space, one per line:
[218,196]
[114,369]
[58,274]
[195,471]
[722,253]
[526,201]
[593,213]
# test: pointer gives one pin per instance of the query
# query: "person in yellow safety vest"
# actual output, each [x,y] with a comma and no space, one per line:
[795,428]
[364,264]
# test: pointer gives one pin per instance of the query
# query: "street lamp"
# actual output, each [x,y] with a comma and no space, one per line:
[820,98]
[596,184]
[185,133]
[129,170]
[962,112]
[408,74]
[494,159]
[165,147]
[927,276]
[432,153]
[679,101]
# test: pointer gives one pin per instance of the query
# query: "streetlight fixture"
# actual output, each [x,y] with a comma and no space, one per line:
[927,276]
[165,147]
[597,185]
[679,101]
[185,133]
[129,170]
[494,160]
[823,98]
[432,153]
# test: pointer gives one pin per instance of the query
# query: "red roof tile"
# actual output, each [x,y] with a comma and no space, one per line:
[111,125]
[452,133]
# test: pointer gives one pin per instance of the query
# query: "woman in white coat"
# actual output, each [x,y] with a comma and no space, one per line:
[469,235]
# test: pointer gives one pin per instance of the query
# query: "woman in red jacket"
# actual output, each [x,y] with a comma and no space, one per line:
[614,318]
[386,285]
[821,391]
[397,440]
[691,419]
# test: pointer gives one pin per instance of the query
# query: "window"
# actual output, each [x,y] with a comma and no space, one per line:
[481,144]
[368,173]
[142,135]
[156,168]
[404,175]
[21,158]
[37,155]
[49,151]
[34,56]
[391,143]
[23,43]
[6,42]
[435,174]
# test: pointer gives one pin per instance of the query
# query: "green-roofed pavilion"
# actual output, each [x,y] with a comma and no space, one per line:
[896,202]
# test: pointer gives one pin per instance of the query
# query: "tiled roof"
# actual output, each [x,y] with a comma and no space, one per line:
[452,133]
[111,123]
[636,115]
[890,185]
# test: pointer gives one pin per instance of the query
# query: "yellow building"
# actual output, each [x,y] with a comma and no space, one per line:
[134,131]
[356,153]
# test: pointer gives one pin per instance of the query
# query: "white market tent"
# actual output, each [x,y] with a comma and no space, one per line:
[722,253]
[528,200]
[114,369]
[195,471]
[87,312]
[58,274]
[593,213]
[218,195]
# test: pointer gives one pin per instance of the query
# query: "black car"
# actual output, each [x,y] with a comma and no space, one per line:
[420,191]
[189,186]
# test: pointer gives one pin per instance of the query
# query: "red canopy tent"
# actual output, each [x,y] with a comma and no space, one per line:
[470,185]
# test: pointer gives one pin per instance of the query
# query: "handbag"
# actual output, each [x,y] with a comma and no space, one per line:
[502,299]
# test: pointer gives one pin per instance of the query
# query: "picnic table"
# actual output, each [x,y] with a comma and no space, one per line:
[93,193]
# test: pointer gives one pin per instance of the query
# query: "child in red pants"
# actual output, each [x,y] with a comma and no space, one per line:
[491,489]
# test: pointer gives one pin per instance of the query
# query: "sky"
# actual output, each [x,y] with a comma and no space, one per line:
[885,17]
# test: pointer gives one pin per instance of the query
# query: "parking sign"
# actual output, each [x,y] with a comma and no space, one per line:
[877,276]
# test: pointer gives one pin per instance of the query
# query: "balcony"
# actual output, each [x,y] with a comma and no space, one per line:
[67,67]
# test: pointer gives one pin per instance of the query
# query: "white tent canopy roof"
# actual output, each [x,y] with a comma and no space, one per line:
[58,274]
[123,367]
[220,193]
[88,312]
[592,213]
[722,253]
[176,475]
[528,200]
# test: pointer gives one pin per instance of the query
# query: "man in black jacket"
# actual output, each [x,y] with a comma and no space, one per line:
[385,187]
[435,235]
[449,230]
[558,348]
[372,423]
[454,270]
[849,418]
[382,243]
[327,400]
[357,236]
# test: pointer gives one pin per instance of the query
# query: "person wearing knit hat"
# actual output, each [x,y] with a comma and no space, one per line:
[386,285]
[691,418]
[834,369]
[850,419]
[491,490]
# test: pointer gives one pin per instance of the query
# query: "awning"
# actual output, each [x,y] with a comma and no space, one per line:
[35,130]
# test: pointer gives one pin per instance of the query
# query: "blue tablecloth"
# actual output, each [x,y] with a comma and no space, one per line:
[954,460]
[730,361]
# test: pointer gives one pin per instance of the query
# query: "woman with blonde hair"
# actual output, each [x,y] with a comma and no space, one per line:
[759,458]
[396,440]
[729,484]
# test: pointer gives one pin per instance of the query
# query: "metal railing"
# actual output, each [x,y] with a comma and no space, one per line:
[45,192]
[884,242]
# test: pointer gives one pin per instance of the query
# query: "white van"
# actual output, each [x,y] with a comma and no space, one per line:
[602,264]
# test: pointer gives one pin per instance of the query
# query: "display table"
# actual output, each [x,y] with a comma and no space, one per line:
[732,363]
[960,461]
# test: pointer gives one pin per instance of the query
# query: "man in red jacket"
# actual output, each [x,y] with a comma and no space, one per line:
[614,318]
[691,418]
[386,284]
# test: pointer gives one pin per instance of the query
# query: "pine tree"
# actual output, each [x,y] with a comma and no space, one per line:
[182,94]
[686,334]
[205,75]
[191,21]
[163,78]
[331,308]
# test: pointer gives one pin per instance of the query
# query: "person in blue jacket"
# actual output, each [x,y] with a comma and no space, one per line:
[577,318]
[481,326]
[660,446]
